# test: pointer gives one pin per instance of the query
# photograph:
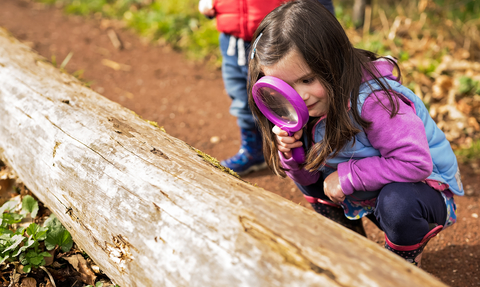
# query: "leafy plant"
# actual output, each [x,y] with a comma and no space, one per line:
[24,244]
[57,235]
[29,205]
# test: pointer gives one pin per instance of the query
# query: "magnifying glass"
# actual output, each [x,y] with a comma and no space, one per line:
[282,106]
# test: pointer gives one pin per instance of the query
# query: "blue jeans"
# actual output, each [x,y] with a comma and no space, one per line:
[235,79]
[329,5]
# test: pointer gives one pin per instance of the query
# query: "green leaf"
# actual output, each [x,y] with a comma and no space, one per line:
[34,258]
[61,238]
[10,205]
[41,233]
[20,230]
[22,258]
[29,205]
[27,268]
[10,218]
[46,254]
[5,231]
[99,284]
[32,229]
[2,259]
[15,241]
[57,235]
[37,260]
[52,222]
[50,244]
[30,254]
[37,232]
[27,245]
[6,236]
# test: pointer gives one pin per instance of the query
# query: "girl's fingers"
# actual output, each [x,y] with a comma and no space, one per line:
[279,132]
[285,143]
[287,155]
[289,146]
[298,134]
[286,140]
[283,149]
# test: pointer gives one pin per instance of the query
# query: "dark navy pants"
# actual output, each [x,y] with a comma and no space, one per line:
[403,211]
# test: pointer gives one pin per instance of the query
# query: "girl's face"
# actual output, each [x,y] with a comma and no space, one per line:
[293,70]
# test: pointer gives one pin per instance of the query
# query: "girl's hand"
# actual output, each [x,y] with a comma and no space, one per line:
[285,143]
[332,188]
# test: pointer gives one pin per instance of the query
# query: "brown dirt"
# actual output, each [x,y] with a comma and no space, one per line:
[188,99]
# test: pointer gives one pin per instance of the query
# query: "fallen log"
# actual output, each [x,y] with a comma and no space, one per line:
[151,210]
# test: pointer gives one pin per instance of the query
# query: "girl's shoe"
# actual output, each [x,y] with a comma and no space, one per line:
[335,212]
[250,156]
[413,253]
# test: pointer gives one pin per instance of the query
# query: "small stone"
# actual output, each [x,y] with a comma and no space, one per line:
[474,215]
[215,139]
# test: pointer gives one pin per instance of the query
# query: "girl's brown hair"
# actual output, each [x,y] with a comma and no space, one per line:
[309,28]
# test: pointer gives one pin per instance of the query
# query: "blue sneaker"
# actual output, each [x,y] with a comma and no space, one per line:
[250,156]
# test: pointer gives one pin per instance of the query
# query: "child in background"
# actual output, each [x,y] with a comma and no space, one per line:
[372,148]
[237,20]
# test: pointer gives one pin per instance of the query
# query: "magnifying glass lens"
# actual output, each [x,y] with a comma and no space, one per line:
[278,105]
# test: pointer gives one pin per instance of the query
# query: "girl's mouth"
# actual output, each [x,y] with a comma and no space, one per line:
[311,106]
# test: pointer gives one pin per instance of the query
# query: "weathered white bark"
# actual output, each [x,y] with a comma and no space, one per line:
[152,212]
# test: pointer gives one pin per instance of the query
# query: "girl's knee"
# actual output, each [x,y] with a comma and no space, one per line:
[397,207]
[405,210]
[396,197]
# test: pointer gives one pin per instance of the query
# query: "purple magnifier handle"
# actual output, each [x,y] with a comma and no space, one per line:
[298,154]
[282,106]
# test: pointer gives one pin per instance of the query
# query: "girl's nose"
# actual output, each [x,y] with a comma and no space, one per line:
[305,96]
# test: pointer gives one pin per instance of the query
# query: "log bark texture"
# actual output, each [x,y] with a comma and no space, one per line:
[151,210]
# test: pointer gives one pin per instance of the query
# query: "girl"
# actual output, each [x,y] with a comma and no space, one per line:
[372,148]
[236,22]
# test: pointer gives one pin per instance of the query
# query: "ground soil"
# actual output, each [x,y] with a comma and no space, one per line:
[189,101]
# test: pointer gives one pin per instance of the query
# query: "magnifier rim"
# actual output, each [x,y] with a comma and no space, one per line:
[290,95]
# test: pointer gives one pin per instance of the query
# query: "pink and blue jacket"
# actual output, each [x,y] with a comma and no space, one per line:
[406,148]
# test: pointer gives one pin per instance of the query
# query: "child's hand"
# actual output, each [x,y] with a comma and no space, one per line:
[285,143]
[332,188]
[206,8]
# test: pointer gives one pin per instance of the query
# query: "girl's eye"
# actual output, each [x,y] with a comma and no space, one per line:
[308,81]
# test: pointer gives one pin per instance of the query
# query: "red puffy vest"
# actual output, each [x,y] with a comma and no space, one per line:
[241,18]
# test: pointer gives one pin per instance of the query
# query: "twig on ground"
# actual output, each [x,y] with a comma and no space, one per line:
[114,39]
[49,275]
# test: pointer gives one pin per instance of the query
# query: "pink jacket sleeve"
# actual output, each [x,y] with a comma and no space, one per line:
[297,174]
[402,143]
